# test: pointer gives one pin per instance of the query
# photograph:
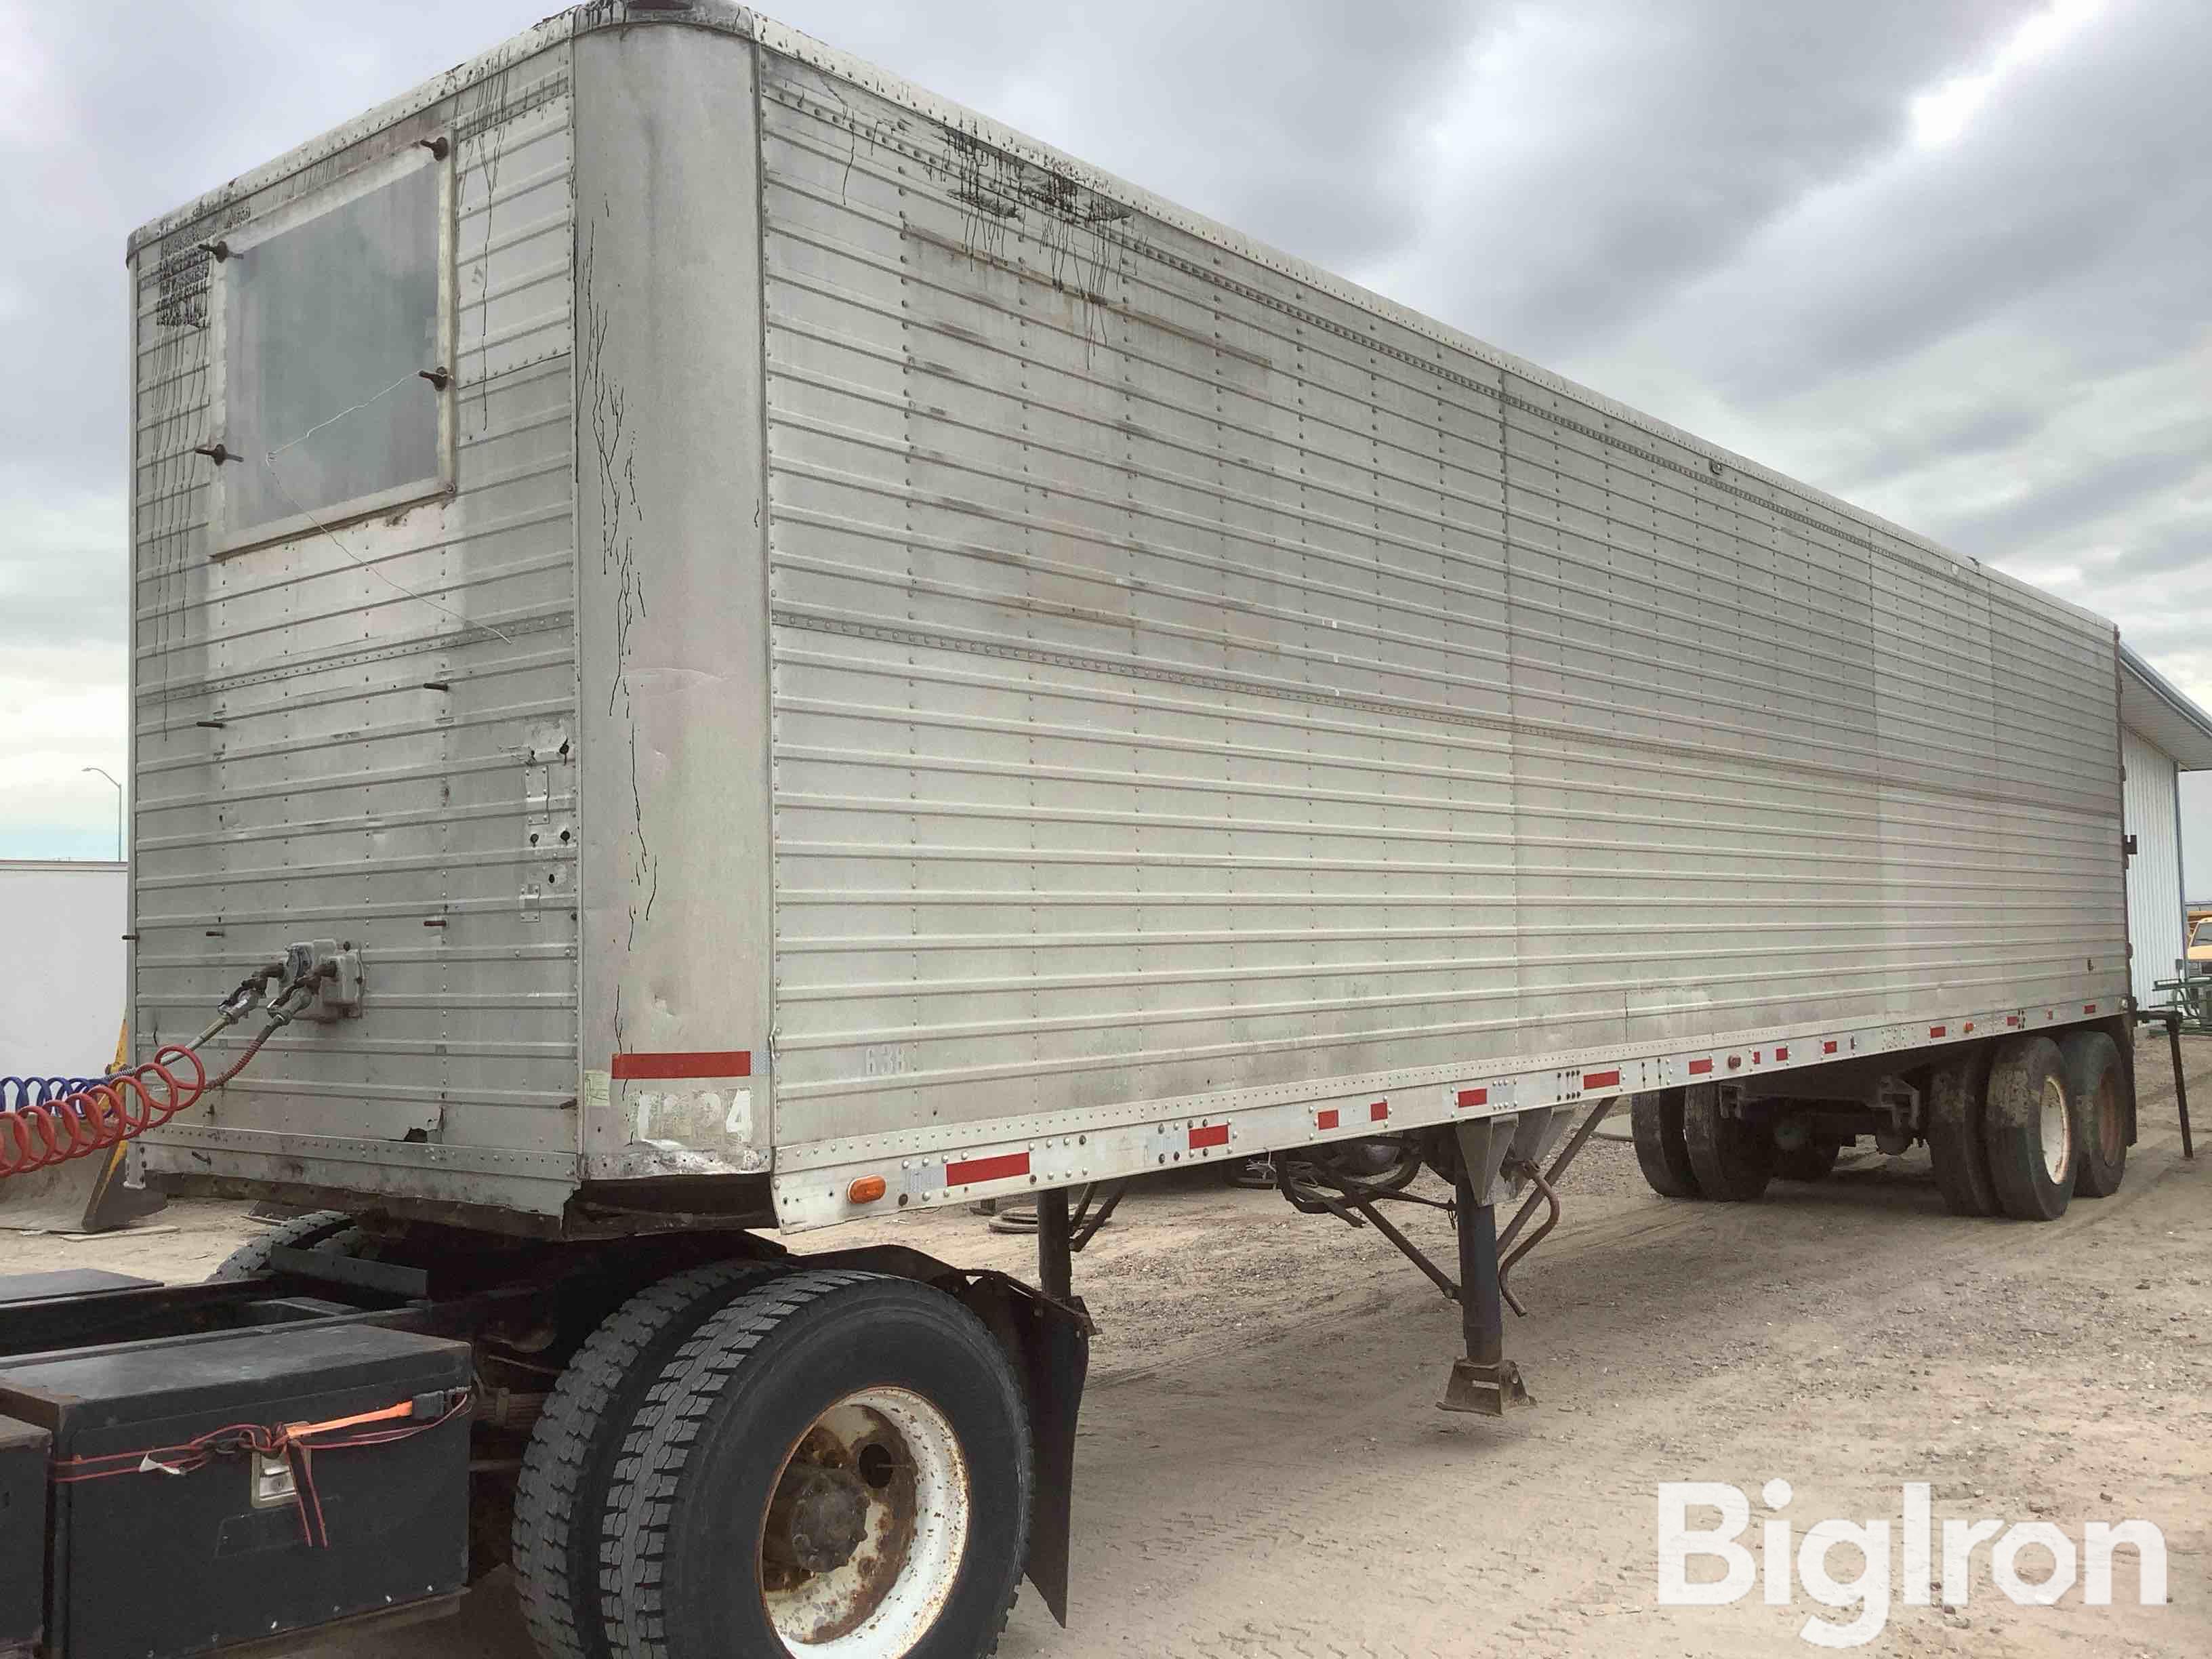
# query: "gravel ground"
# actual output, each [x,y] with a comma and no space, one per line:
[1262,1472]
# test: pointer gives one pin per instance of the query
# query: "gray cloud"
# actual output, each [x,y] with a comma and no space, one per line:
[2084,185]
[1604,154]
[2064,505]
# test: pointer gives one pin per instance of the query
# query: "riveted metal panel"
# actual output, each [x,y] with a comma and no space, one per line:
[366,732]
[1189,682]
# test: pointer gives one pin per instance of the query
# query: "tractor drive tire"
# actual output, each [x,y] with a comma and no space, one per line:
[1957,1143]
[1734,1159]
[833,1455]
[2097,1090]
[562,1487]
[2027,1126]
[1655,1122]
[326,1232]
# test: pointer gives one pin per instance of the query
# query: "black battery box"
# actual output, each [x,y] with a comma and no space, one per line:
[213,1489]
[22,1537]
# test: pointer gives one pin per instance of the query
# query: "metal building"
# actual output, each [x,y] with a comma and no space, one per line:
[62,1019]
[2165,734]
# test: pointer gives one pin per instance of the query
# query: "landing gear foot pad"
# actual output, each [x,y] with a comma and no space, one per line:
[1485,1390]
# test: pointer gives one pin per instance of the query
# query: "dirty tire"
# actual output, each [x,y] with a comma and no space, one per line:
[1733,1160]
[328,1232]
[2027,1126]
[1957,1145]
[2097,1093]
[562,1490]
[1655,1121]
[1812,1159]
[710,1444]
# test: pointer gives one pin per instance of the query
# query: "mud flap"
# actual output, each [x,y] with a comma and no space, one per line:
[1051,1346]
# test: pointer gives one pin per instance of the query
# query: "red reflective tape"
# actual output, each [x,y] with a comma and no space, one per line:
[2088,1007]
[972,1170]
[1212,1134]
[1601,1079]
[1938,1030]
[1378,1111]
[1325,1119]
[1699,1067]
[722,1062]
[1828,1048]
[1782,1053]
[2012,1019]
[1474,1097]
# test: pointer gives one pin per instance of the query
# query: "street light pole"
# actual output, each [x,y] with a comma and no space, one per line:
[110,776]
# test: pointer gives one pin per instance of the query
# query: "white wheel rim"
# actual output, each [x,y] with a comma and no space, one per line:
[880,1601]
[2057,1130]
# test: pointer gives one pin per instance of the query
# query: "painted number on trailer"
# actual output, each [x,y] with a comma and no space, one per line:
[887,1059]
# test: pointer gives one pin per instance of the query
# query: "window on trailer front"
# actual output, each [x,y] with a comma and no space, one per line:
[329,323]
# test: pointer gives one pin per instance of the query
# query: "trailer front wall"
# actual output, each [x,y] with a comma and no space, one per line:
[365,731]
[1193,687]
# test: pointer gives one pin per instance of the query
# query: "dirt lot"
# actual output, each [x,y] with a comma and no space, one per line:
[1263,1472]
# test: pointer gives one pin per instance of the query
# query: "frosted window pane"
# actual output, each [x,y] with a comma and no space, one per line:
[318,318]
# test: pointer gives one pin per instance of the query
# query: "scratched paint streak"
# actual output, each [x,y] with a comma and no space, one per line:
[614,457]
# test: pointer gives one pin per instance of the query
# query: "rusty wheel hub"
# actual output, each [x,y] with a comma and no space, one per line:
[817,1519]
[863,1539]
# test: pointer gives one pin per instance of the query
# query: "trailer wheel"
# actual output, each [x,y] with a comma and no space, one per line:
[327,1232]
[562,1487]
[1734,1159]
[1655,1122]
[836,1461]
[2096,1085]
[1958,1141]
[2028,1125]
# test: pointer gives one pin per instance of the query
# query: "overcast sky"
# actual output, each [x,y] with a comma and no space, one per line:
[1950,259]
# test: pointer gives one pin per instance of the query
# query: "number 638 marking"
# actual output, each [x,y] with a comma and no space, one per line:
[888,1059]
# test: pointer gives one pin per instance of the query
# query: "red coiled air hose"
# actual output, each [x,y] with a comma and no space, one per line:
[38,1134]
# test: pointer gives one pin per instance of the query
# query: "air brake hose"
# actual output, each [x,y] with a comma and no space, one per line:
[48,1120]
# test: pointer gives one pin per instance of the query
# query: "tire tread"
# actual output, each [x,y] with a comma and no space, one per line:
[1733,1160]
[1957,1143]
[2009,1119]
[1655,1122]
[587,1405]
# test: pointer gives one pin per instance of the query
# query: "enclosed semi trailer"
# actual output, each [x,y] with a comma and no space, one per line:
[742,648]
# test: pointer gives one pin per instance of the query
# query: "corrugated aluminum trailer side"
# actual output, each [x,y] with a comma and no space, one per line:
[1210,704]
[920,661]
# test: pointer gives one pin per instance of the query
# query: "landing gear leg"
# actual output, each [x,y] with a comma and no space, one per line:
[1485,1380]
[1055,1269]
